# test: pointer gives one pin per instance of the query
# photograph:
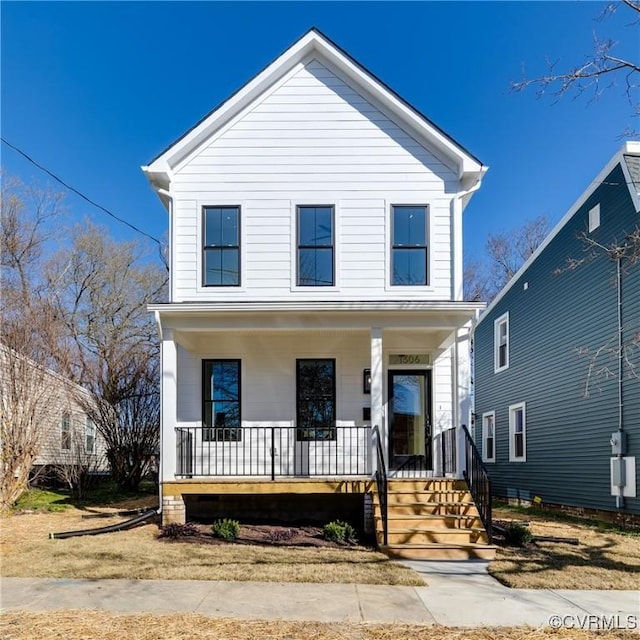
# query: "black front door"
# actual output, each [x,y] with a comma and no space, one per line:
[410,420]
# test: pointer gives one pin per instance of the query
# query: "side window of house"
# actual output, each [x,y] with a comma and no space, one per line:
[315,399]
[409,247]
[315,246]
[65,432]
[517,433]
[90,435]
[221,247]
[221,414]
[594,218]
[489,436]
[501,343]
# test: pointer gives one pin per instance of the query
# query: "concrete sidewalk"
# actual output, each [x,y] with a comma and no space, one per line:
[459,594]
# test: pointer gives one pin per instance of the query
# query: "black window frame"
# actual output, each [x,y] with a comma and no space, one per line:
[315,433]
[411,247]
[304,247]
[221,248]
[216,432]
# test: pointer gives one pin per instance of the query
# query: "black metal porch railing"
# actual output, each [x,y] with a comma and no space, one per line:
[381,483]
[448,451]
[477,476]
[273,451]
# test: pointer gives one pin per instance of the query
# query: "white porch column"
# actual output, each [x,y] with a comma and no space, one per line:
[462,390]
[377,417]
[169,399]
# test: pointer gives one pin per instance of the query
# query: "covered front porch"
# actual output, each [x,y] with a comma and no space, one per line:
[265,391]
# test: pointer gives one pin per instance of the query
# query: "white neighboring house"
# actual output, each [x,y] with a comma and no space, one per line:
[62,432]
[316,306]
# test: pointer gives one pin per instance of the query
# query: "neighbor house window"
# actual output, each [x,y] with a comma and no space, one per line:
[90,435]
[316,399]
[501,343]
[315,246]
[221,400]
[409,245]
[221,247]
[489,436]
[517,433]
[65,431]
[594,218]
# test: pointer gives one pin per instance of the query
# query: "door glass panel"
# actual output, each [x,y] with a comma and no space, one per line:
[408,414]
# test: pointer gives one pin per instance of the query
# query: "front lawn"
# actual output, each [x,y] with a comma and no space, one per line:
[605,558]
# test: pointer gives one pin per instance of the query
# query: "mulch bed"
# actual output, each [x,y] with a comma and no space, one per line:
[268,535]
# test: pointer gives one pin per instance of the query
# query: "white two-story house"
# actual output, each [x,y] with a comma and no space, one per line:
[316,336]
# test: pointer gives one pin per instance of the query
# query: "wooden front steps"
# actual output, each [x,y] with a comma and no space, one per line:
[431,519]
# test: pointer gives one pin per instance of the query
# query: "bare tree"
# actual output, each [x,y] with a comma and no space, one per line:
[30,394]
[598,71]
[506,252]
[619,356]
[100,290]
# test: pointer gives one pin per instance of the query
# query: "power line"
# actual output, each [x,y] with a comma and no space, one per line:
[79,193]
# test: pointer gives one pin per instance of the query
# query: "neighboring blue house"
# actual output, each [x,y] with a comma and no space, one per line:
[557,357]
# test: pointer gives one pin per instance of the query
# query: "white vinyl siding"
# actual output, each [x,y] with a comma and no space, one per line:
[312,139]
[489,436]
[501,343]
[517,433]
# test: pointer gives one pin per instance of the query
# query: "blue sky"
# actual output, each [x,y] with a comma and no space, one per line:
[94,90]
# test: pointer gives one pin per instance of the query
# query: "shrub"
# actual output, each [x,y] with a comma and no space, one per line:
[339,531]
[175,530]
[226,529]
[517,534]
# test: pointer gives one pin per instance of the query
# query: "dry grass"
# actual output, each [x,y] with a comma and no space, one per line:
[85,625]
[137,554]
[604,559]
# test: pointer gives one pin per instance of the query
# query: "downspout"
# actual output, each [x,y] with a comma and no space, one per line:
[620,497]
[167,194]
[455,294]
[455,241]
[160,457]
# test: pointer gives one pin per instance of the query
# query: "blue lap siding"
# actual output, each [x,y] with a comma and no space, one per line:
[558,319]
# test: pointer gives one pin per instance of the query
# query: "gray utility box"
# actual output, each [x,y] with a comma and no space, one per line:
[618,472]
[618,443]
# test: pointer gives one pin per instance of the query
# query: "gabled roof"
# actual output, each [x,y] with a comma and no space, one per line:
[315,44]
[628,157]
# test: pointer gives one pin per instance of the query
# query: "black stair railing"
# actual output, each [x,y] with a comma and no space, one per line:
[381,483]
[477,476]
[448,450]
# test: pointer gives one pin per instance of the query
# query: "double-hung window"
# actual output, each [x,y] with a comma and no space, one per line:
[315,246]
[90,435]
[409,249]
[489,436]
[221,247]
[221,418]
[315,399]
[517,433]
[501,343]
[65,432]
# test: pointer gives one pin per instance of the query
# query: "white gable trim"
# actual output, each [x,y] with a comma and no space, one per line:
[629,148]
[314,45]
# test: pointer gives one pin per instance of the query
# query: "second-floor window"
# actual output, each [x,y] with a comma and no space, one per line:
[501,343]
[409,250]
[221,247]
[315,246]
